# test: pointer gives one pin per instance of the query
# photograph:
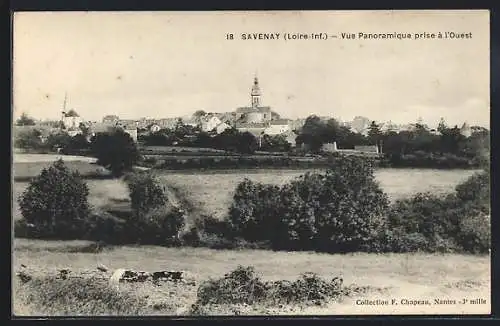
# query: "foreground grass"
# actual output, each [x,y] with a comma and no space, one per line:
[404,275]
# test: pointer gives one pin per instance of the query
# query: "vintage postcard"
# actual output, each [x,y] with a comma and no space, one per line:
[251,163]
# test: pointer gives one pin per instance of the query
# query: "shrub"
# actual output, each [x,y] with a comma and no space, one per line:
[159,226]
[155,220]
[115,150]
[104,226]
[475,233]
[476,190]
[425,213]
[146,192]
[244,286]
[348,204]
[255,210]
[55,202]
[239,286]
[341,210]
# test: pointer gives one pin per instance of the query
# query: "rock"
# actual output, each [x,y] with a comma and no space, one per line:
[102,268]
[23,277]
[116,277]
[63,273]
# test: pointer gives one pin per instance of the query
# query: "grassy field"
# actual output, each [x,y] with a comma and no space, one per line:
[398,276]
[212,191]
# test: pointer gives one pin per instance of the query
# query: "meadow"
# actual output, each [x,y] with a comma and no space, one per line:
[211,192]
[412,276]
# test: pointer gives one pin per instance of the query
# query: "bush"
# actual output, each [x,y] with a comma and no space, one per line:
[55,202]
[254,212]
[244,286]
[341,210]
[476,190]
[146,192]
[115,150]
[475,233]
[239,286]
[455,222]
[425,213]
[155,220]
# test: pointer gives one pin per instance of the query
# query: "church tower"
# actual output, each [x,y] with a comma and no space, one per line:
[255,94]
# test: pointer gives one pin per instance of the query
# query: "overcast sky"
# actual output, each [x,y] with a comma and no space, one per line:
[173,63]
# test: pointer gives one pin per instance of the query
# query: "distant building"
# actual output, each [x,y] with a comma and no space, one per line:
[209,123]
[466,130]
[360,125]
[277,127]
[154,127]
[329,147]
[110,119]
[367,149]
[291,138]
[130,129]
[71,119]
[256,113]
[221,127]
[168,123]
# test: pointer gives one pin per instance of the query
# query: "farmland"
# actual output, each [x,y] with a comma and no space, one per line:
[211,191]
[411,276]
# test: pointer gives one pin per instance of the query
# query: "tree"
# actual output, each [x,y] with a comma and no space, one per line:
[442,126]
[246,143]
[332,131]
[55,201]
[25,120]
[313,133]
[84,128]
[76,144]
[198,115]
[58,140]
[276,143]
[115,150]
[374,133]
[29,139]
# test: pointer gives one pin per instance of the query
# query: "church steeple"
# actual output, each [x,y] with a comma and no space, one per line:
[255,94]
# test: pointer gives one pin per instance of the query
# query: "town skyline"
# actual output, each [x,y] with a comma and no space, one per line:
[139,65]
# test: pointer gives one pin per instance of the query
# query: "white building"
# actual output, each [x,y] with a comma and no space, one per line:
[71,119]
[221,127]
[209,123]
[154,127]
[277,127]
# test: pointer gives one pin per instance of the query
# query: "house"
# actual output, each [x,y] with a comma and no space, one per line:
[291,137]
[110,119]
[189,121]
[71,119]
[466,130]
[367,149]
[130,129]
[168,123]
[209,123]
[277,127]
[154,128]
[73,131]
[329,147]
[221,127]
[257,129]
[360,124]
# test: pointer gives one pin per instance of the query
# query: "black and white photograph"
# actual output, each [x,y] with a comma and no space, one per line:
[251,163]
